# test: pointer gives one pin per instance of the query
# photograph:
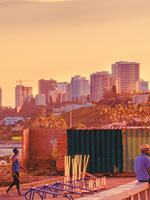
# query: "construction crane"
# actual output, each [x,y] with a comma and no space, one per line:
[20,92]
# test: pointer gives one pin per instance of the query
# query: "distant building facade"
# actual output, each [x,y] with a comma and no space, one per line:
[127,74]
[62,86]
[78,87]
[28,91]
[56,96]
[44,86]
[40,99]
[21,94]
[68,92]
[11,120]
[100,82]
[140,98]
[142,86]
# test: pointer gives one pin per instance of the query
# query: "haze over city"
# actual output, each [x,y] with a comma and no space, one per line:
[60,39]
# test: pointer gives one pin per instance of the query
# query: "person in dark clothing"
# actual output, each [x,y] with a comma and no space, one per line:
[15,172]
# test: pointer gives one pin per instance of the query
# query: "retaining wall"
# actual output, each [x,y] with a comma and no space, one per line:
[37,147]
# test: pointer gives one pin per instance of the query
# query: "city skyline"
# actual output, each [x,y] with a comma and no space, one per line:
[62,39]
[80,87]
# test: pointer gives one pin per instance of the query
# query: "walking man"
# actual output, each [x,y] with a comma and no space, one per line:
[15,172]
[142,164]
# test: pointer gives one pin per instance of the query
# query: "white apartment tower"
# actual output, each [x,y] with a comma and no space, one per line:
[78,87]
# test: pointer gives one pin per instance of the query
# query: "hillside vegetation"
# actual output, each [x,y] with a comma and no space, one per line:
[112,108]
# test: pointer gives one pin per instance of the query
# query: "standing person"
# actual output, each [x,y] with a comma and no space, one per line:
[15,172]
[142,164]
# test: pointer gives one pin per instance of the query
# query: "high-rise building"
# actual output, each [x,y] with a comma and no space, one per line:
[78,87]
[102,84]
[0,96]
[21,94]
[127,73]
[93,78]
[45,86]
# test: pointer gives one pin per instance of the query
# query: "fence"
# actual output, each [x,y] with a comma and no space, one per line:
[110,150]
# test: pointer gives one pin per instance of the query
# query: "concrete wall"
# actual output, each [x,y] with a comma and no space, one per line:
[61,151]
[130,191]
[37,148]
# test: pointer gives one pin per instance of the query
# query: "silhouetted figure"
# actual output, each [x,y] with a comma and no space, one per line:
[15,172]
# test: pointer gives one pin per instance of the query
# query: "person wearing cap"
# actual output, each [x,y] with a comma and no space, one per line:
[142,164]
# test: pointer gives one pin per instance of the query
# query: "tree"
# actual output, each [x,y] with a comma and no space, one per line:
[80,125]
[114,89]
[105,115]
[130,112]
[142,112]
[88,97]
[42,121]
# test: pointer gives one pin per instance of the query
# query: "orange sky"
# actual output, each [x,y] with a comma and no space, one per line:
[61,39]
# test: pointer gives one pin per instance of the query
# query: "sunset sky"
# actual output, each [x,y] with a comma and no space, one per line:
[60,39]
